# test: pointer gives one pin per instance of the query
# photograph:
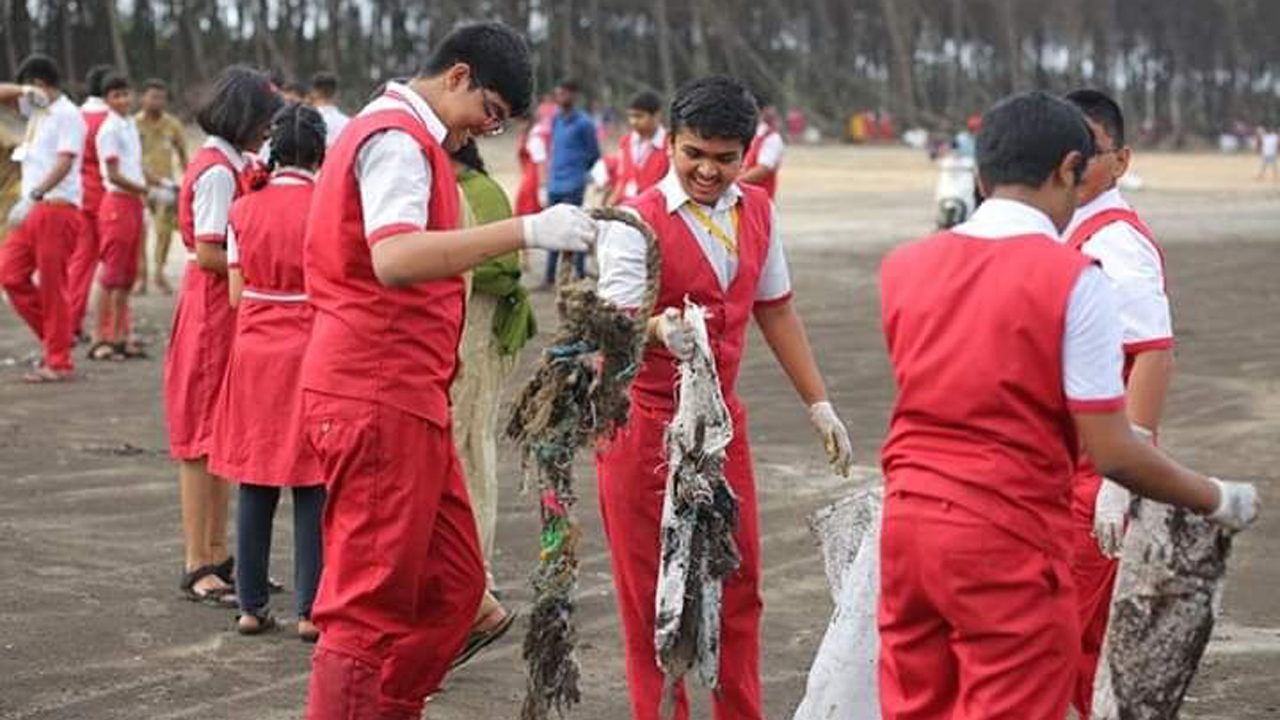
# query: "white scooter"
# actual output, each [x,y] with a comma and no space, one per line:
[954,195]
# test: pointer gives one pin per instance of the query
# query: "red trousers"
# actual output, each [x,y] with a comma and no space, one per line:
[43,243]
[119,233]
[975,623]
[632,476]
[403,575]
[83,265]
[1095,580]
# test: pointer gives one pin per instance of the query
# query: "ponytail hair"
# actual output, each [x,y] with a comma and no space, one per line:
[297,138]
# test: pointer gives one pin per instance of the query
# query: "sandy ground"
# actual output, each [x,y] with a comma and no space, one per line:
[92,626]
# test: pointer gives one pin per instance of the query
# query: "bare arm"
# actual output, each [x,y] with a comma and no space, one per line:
[785,334]
[211,258]
[422,255]
[235,285]
[180,146]
[119,180]
[756,174]
[1148,387]
[1126,459]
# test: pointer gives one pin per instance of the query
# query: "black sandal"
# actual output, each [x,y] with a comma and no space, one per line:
[227,571]
[131,351]
[478,640]
[217,597]
[103,350]
[264,622]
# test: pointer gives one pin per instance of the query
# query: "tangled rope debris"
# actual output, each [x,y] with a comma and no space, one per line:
[699,517]
[577,396]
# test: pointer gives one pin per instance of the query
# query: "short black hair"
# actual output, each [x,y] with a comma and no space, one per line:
[469,155]
[1102,109]
[297,137]
[645,101]
[155,84]
[239,107]
[498,57]
[570,84]
[93,79]
[325,84]
[38,66]
[297,87]
[715,107]
[112,81]
[1025,137]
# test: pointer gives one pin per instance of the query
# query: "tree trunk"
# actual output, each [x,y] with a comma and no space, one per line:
[900,43]
[663,31]
[117,40]
[333,48]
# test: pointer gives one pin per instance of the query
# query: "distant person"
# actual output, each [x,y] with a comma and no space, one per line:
[764,157]
[532,154]
[163,141]
[43,224]
[642,153]
[574,149]
[294,91]
[324,97]
[120,228]
[84,261]
[1268,145]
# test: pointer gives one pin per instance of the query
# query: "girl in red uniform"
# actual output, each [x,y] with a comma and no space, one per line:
[258,438]
[532,154]
[721,250]
[1006,349]
[384,260]
[84,262]
[236,117]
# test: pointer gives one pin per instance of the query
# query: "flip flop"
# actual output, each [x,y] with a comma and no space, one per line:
[45,375]
[266,622]
[481,639]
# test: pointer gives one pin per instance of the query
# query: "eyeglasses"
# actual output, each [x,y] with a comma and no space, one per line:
[495,117]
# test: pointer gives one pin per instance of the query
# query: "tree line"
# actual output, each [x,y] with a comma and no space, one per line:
[1181,67]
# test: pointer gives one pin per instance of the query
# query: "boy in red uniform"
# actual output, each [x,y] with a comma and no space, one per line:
[1107,229]
[119,151]
[764,157]
[384,260]
[1007,355]
[642,153]
[88,254]
[721,250]
[45,220]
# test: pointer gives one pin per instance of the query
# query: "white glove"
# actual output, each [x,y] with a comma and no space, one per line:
[561,228]
[19,211]
[1110,511]
[675,333]
[162,194]
[35,96]
[1237,504]
[543,199]
[835,438]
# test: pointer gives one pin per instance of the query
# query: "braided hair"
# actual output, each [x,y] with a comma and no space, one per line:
[297,138]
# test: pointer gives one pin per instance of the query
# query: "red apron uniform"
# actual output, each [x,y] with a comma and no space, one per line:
[119,232]
[1095,573]
[770,182]
[527,195]
[403,575]
[258,433]
[84,262]
[631,468]
[203,326]
[977,609]
[635,178]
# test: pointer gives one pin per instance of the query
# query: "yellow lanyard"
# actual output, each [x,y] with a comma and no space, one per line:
[730,243]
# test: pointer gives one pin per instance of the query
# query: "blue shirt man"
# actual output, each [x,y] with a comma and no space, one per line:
[575,148]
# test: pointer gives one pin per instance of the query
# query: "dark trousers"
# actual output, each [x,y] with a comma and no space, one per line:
[553,258]
[255,514]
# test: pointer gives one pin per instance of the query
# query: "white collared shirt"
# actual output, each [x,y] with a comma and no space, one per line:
[771,148]
[622,250]
[1092,358]
[1136,271]
[334,121]
[641,146]
[52,131]
[213,192]
[118,140]
[393,175]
